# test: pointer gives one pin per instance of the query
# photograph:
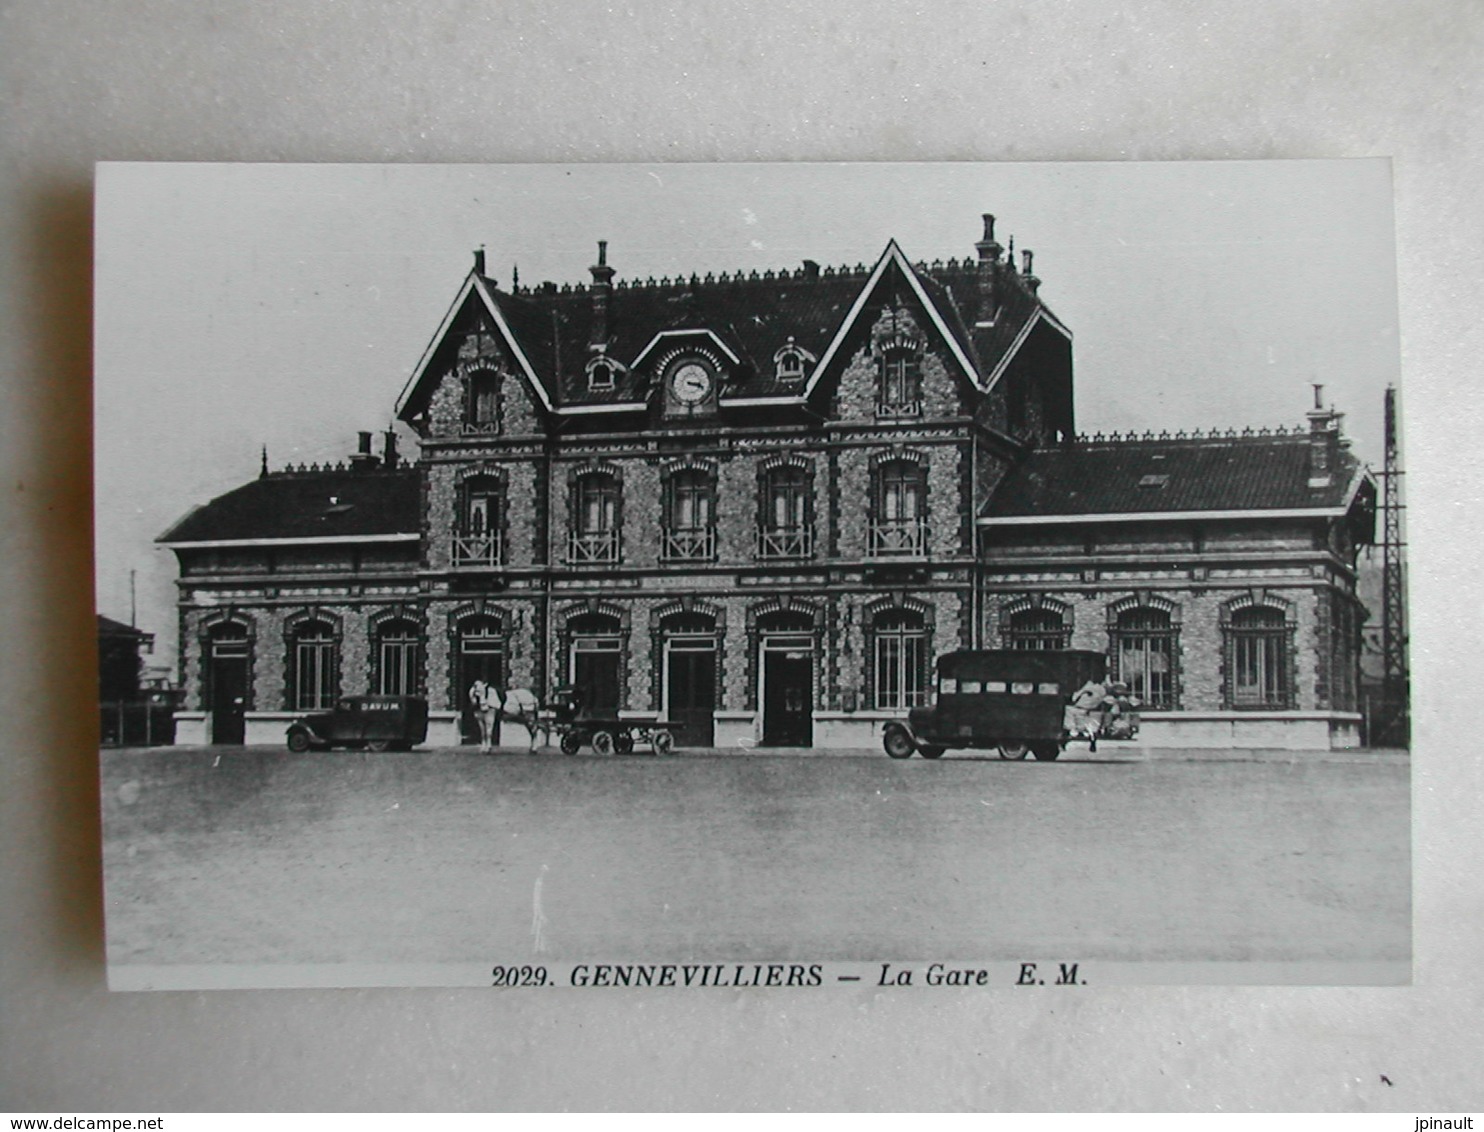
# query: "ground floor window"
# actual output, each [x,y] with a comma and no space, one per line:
[1143,645]
[1257,659]
[900,655]
[398,657]
[313,656]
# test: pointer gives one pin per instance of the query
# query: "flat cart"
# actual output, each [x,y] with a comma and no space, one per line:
[1013,701]
[606,734]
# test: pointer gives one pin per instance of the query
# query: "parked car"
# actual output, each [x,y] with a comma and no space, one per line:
[377,723]
[1010,700]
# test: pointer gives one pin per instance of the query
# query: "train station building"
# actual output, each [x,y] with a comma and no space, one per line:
[759,505]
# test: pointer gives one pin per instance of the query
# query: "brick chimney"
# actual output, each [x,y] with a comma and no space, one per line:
[479,260]
[989,251]
[1324,441]
[364,459]
[389,458]
[1029,257]
[602,292]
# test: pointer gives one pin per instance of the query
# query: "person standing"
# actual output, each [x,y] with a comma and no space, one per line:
[486,703]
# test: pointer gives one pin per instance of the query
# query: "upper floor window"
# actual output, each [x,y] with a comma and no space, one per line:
[1036,629]
[785,531]
[1143,642]
[791,363]
[690,531]
[1257,659]
[899,382]
[899,506]
[484,401]
[595,519]
[478,533]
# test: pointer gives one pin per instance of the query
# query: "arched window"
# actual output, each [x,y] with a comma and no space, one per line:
[601,375]
[1143,642]
[398,658]
[1036,629]
[1257,659]
[899,382]
[484,402]
[690,517]
[595,519]
[785,531]
[791,363]
[899,505]
[312,657]
[899,657]
[480,524]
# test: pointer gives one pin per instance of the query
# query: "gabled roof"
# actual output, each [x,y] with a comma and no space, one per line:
[750,316]
[307,507]
[1217,475]
[109,628]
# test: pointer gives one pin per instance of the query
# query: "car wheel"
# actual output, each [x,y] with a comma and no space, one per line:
[664,743]
[603,742]
[378,745]
[1014,751]
[623,743]
[931,752]
[898,743]
[571,742]
[1047,752]
[298,742]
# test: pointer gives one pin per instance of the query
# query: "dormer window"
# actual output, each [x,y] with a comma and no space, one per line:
[602,375]
[791,363]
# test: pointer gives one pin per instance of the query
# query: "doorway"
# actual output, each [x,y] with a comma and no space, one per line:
[788,692]
[481,657]
[227,683]
[690,689]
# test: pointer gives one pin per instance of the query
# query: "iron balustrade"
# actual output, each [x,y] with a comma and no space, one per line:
[686,545]
[481,548]
[901,409]
[592,548]
[897,536]
[785,542]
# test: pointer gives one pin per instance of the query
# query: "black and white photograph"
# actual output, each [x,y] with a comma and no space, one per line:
[751,575]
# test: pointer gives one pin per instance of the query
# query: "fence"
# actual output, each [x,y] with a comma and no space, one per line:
[136,724]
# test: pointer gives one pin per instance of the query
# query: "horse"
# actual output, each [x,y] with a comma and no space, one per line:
[520,705]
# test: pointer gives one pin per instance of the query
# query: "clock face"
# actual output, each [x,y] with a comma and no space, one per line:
[691,383]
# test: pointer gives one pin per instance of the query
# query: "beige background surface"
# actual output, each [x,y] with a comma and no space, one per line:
[85,81]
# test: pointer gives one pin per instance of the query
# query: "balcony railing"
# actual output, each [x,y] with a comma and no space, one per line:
[480,428]
[785,542]
[899,408]
[889,537]
[482,548]
[697,545]
[592,548]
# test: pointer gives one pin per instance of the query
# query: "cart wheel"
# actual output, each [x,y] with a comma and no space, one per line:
[664,742]
[603,742]
[378,745]
[1046,752]
[898,743]
[298,742]
[932,752]
[571,742]
[1014,751]
[623,743]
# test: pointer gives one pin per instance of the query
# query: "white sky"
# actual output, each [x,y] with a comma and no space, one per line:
[286,305]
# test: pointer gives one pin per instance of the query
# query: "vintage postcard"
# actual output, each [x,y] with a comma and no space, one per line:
[795,576]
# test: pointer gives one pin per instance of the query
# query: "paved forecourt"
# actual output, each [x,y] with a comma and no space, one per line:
[259,856]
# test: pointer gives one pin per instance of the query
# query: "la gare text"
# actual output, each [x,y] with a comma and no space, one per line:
[784,975]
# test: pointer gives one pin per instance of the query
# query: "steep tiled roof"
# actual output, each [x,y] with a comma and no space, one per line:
[1217,473]
[108,627]
[314,504]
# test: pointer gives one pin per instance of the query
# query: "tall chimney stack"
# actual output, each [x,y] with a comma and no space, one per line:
[602,291]
[479,260]
[989,250]
[1324,440]
[363,460]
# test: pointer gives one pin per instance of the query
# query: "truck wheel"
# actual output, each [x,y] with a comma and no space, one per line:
[603,742]
[931,752]
[571,742]
[898,743]
[1014,751]
[378,745]
[1047,752]
[298,742]
[623,743]
[664,743]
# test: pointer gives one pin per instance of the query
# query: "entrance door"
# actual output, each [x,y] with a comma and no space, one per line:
[788,698]
[481,657]
[690,693]
[228,690]
[595,675]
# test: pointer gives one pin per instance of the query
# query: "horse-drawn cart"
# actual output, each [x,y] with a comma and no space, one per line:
[607,734]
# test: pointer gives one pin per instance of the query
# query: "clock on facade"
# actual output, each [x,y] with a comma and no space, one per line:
[691,383]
